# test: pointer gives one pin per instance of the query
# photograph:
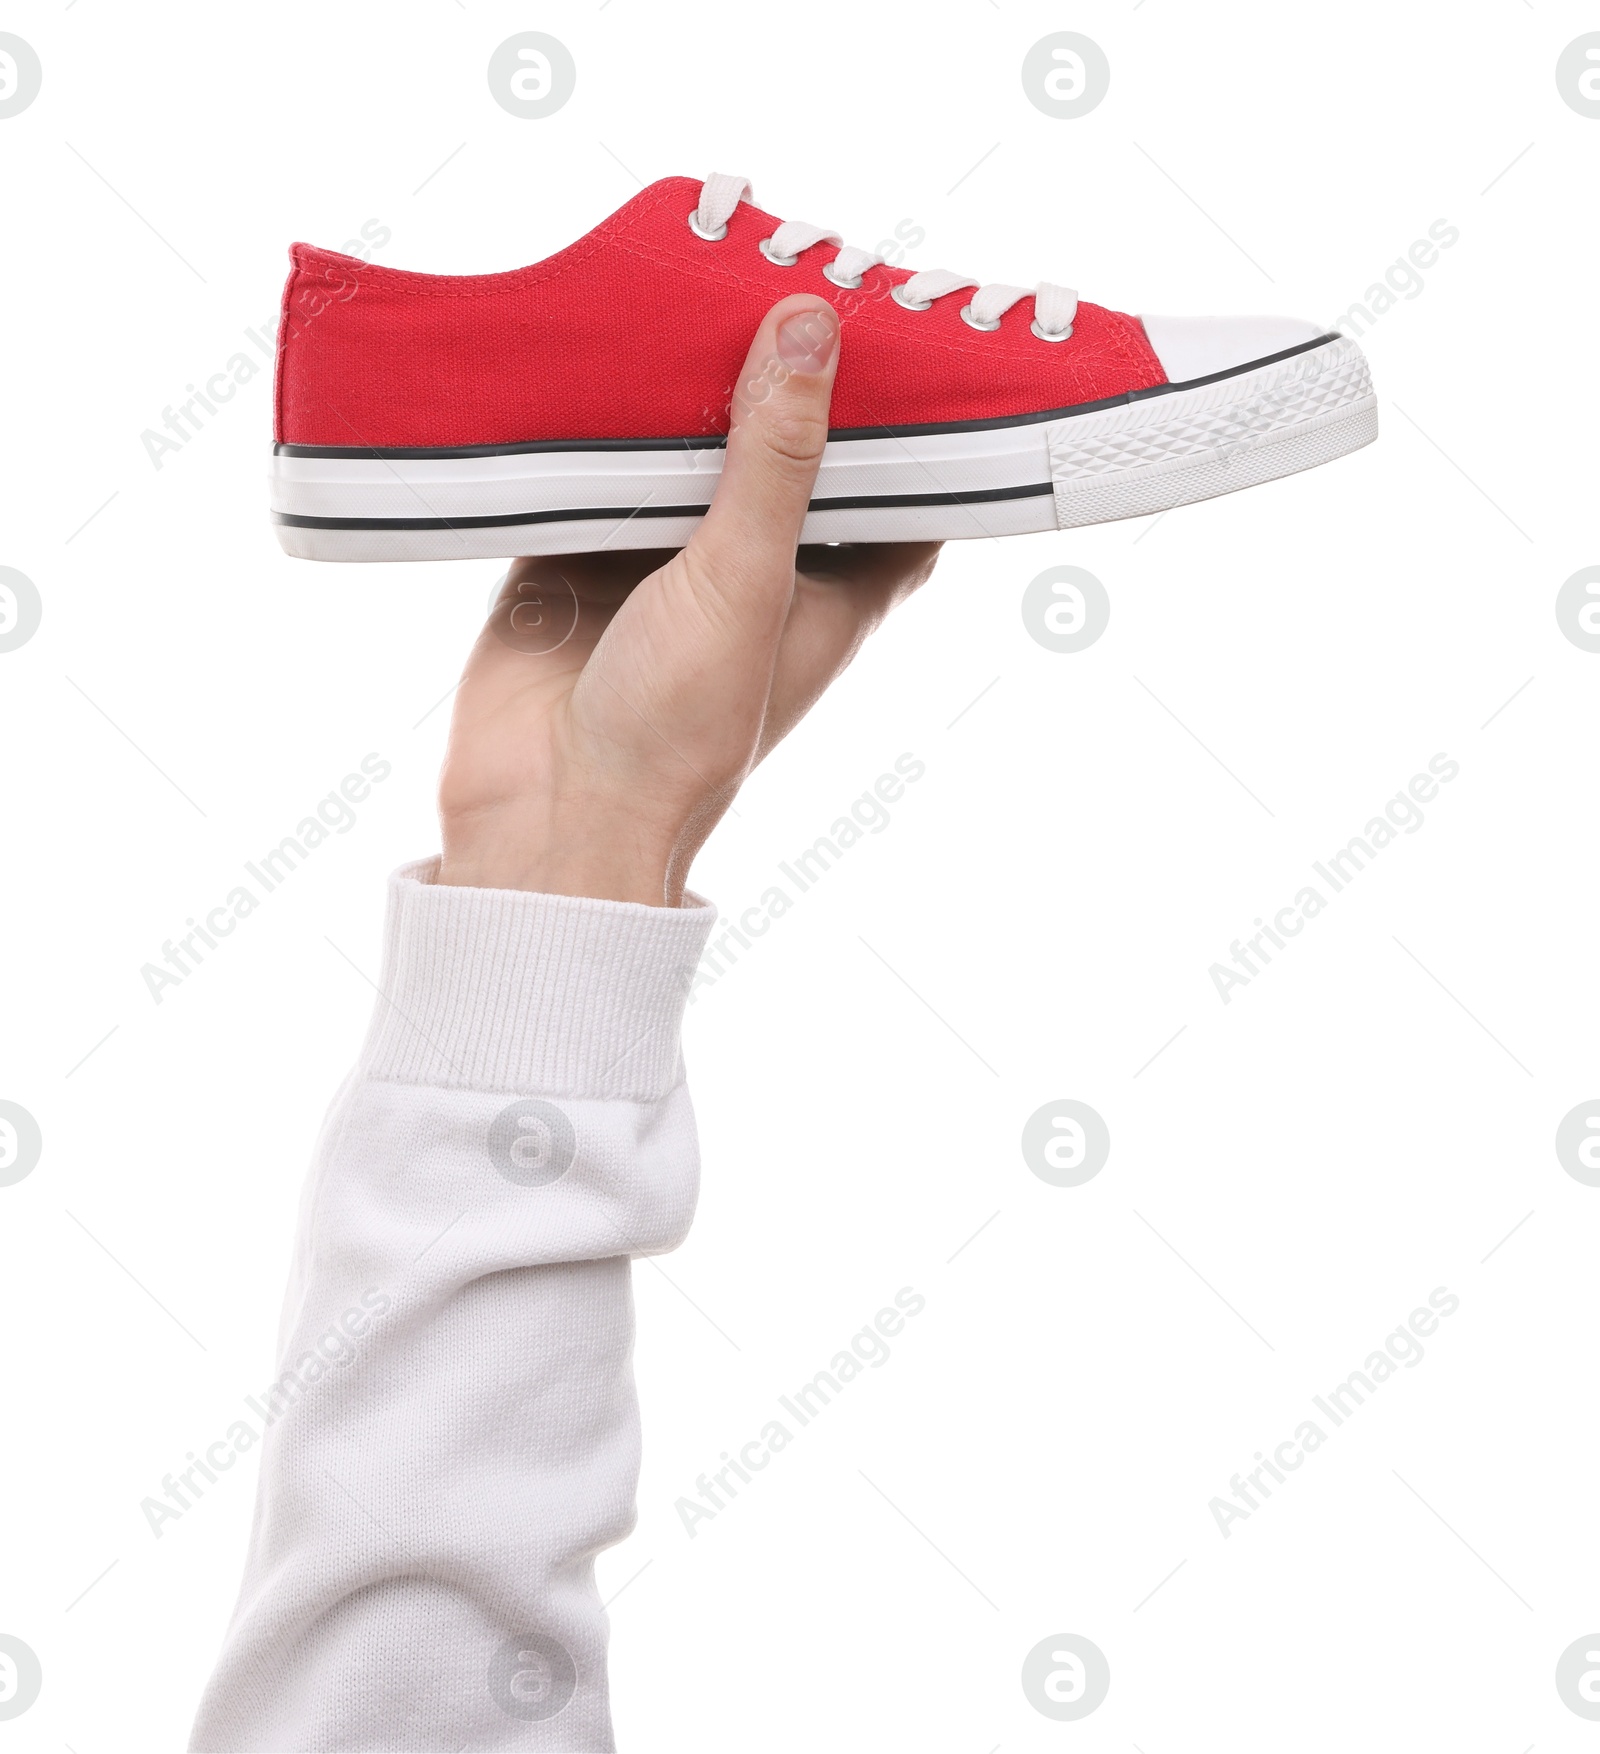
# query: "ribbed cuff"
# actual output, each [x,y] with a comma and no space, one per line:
[505,990]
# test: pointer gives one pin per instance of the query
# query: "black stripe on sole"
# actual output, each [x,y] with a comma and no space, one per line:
[505,520]
[716,441]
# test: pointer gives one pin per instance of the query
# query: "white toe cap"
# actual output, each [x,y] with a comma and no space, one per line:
[1195,347]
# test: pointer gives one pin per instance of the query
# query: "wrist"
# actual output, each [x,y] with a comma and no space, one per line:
[619,869]
[597,882]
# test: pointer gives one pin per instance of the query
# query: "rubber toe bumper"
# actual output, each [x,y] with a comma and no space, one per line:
[1196,347]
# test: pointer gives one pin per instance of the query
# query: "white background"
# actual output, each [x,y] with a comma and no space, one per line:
[1292,1175]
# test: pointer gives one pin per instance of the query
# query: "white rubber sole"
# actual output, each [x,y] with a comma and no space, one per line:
[1122,459]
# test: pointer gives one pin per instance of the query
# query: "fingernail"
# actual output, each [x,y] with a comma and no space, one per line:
[807,339]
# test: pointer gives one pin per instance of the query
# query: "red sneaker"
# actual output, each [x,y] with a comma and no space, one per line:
[582,402]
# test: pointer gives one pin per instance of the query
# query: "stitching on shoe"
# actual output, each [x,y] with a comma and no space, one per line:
[408,283]
[950,346]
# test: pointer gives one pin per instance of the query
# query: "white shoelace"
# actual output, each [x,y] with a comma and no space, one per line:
[1054,307]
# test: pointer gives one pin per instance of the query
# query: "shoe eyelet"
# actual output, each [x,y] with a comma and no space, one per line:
[839,279]
[973,323]
[1049,335]
[711,237]
[909,304]
[765,246]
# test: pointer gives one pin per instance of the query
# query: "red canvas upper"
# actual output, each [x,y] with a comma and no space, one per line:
[637,331]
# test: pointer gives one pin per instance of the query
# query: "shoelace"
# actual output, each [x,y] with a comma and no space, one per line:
[1054,307]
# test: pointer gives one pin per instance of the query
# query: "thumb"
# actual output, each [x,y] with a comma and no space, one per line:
[744,549]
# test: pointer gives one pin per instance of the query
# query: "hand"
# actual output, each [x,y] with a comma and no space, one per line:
[597,767]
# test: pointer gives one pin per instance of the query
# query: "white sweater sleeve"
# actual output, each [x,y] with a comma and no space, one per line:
[454,1434]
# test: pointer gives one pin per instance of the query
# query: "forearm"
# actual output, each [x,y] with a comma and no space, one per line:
[431,1500]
